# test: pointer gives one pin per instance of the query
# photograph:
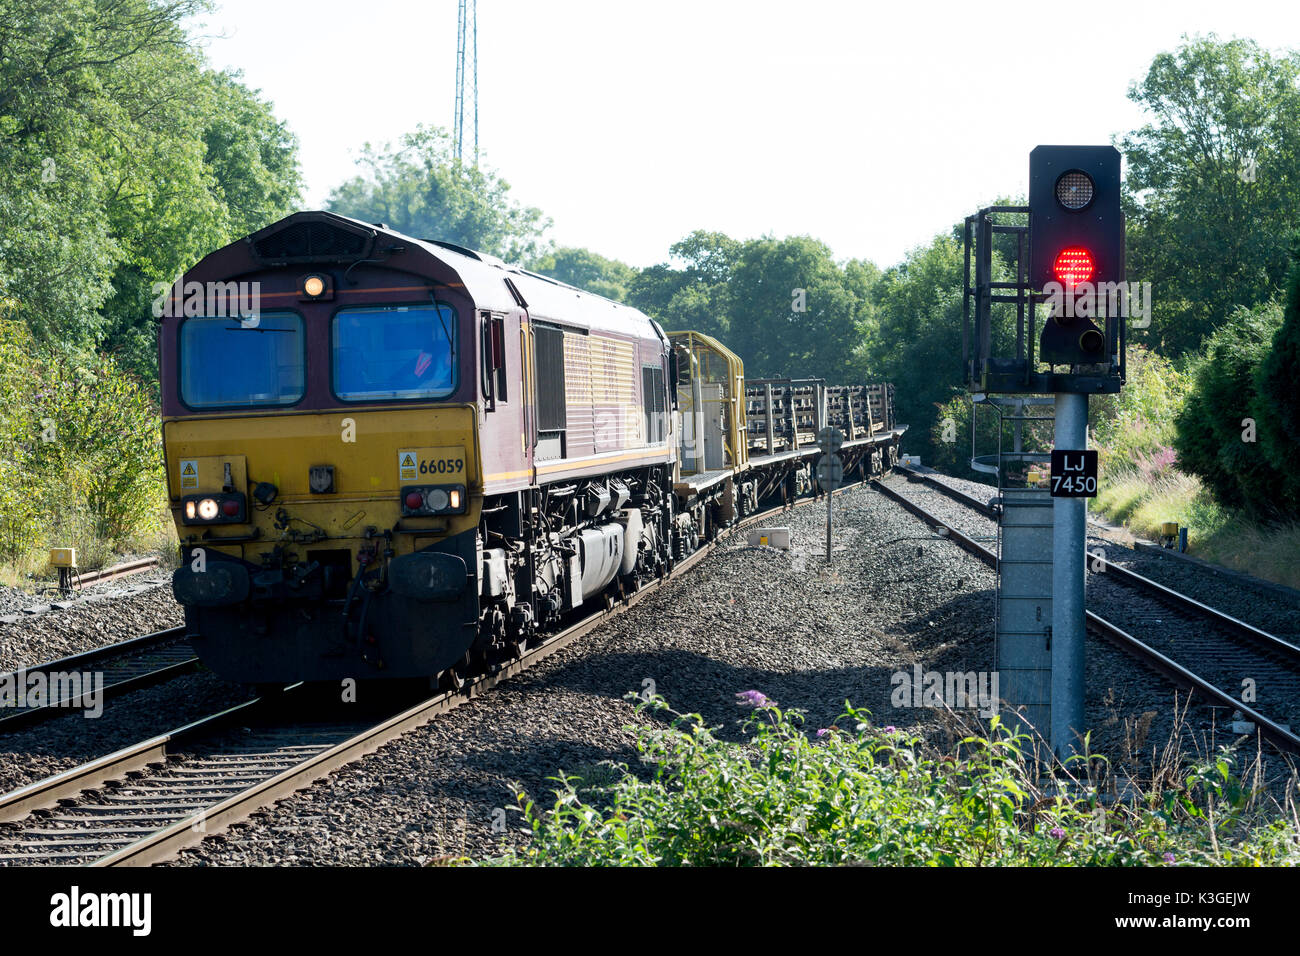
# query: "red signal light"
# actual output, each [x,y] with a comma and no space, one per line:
[414,500]
[1073,266]
[230,507]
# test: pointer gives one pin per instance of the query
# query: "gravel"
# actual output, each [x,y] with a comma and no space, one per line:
[61,743]
[116,611]
[1134,692]
[806,635]
[1266,606]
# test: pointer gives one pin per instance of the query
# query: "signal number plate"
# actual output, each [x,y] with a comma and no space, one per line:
[436,465]
[1074,474]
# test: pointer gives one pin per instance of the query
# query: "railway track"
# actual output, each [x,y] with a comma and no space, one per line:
[116,571]
[122,667]
[1196,646]
[143,803]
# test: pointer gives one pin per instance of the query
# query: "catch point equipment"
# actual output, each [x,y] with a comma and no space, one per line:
[1068,252]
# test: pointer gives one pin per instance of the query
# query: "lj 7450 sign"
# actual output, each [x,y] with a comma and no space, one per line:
[1074,474]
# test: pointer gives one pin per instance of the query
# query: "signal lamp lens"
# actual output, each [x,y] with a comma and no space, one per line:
[414,500]
[455,499]
[230,508]
[208,509]
[314,286]
[189,510]
[437,499]
[1092,341]
[1074,266]
[1074,190]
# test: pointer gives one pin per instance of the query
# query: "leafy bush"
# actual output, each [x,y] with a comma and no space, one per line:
[80,451]
[1135,427]
[1212,429]
[1277,395]
[854,793]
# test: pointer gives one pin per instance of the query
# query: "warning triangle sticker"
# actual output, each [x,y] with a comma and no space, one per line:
[408,461]
[188,469]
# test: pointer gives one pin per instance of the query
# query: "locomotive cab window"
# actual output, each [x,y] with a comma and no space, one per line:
[398,352]
[225,362]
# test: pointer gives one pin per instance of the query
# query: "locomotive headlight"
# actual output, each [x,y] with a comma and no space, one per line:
[208,509]
[455,499]
[190,510]
[438,499]
[314,286]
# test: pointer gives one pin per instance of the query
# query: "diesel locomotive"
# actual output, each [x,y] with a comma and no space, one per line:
[394,457]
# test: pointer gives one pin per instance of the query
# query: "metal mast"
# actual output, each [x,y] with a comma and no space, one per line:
[466,56]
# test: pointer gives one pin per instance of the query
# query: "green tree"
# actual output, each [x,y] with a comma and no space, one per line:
[792,311]
[1277,394]
[421,188]
[696,295]
[122,160]
[1213,183]
[1214,441]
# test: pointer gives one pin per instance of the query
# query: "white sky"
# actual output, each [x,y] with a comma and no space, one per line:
[871,126]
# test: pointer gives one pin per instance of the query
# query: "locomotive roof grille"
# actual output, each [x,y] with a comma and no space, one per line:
[313,241]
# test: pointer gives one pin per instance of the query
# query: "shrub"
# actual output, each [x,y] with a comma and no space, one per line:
[1210,440]
[1136,425]
[855,793]
[1277,395]
[80,451]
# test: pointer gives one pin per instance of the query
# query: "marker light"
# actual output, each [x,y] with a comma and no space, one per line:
[314,286]
[438,499]
[1073,266]
[455,499]
[1074,190]
[230,507]
[208,509]
[414,500]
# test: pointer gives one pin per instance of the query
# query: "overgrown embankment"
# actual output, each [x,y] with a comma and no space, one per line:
[80,459]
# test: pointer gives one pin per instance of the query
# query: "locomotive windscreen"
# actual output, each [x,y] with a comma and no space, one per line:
[394,352]
[226,362]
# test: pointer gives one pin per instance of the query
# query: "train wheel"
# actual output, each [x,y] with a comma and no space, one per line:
[455,677]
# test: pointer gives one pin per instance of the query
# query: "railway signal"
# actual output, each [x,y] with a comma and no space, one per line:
[1076,249]
[830,473]
[1067,245]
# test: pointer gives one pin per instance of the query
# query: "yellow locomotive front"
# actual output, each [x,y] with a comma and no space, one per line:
[293,569]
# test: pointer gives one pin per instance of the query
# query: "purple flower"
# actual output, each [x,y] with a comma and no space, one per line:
[1169,858]
[754,698]
[823,732]
[890,729]
[1057,833]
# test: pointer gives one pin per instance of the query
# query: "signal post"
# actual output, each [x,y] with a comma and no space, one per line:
[1070,258]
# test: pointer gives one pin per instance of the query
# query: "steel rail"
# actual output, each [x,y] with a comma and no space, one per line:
[167,841]
[117,571]
[1270,730]
[1098,564]
[89,661]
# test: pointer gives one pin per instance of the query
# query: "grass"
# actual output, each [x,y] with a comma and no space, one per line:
[855,793]
[1143,503]
[94,551]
